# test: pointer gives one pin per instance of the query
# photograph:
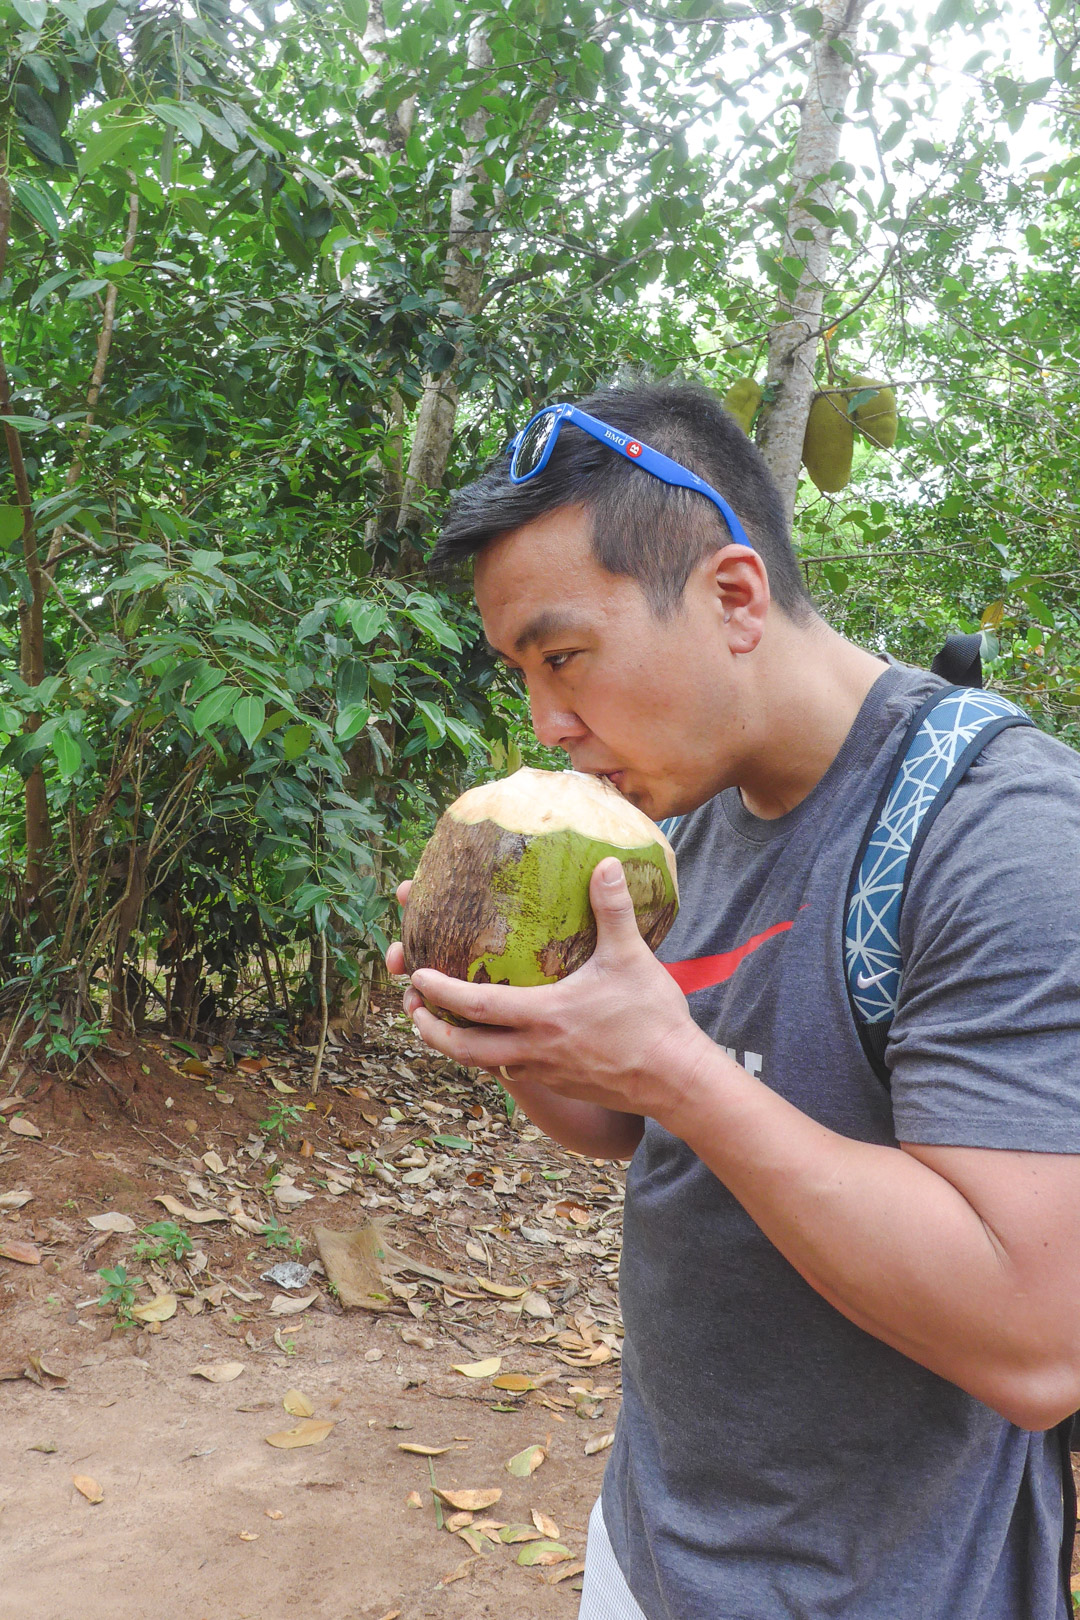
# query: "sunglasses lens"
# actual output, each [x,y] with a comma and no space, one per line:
[534,441]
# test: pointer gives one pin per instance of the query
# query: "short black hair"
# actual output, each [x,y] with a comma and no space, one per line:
[652,531]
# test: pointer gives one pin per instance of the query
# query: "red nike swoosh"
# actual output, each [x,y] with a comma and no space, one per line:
[699,972]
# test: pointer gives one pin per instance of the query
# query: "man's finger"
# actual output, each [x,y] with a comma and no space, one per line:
[616,924]
[395,958]
[471,1048]
[402,892]
[493,1004]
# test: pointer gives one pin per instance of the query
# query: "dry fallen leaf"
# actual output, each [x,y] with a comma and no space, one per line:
[414,1499]
[518,1383]
[213,1161]
[460,1573]
[287,1197]
[419,1450]
[279,1085]
[297,1404]
[253,1065]
[249,1535]
[197,1067]
[547,1527]
[274,1513]
[282,1305]
[88,1487]
[159,1309]
[14,1200]
[23,1127]
[218,1372]
[599,1442]
[536,1305]
[526,1462]
[411,1335]
[565,1572]
[471,1538]
[543,1552]
[27,1254]
[198,1217]
[459,1521]
[470,1501]
[500,1289]
[308,1432]
[512,1533]
[478,1369]
[111,1221]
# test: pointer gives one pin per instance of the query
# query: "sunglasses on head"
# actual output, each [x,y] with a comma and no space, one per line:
[531,450]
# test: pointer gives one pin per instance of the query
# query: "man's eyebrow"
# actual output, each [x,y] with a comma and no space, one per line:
[546,624]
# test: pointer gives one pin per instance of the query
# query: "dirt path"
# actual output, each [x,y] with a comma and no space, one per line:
[507,1248]
[186,1474]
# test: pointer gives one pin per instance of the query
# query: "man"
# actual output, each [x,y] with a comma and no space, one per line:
[852,1312]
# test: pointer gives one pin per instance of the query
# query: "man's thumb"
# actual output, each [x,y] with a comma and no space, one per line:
[612,905]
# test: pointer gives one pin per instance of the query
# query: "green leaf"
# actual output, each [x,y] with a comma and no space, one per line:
[434,720]
[87,289]
[352,719]
[25,424]
[431,621]
[68,754]
[248,715]
[213,708]
[11,525]
[32,12]
[41,204]
[296,741]
[356,13]
[366,620]
[107,145]
[459,1142]
[180,117]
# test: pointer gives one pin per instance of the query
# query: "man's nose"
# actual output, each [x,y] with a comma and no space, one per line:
[555,727]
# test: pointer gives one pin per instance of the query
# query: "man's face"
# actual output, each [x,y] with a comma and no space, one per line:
[627,695]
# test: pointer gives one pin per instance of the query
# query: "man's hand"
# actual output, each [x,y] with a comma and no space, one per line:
[616,1033]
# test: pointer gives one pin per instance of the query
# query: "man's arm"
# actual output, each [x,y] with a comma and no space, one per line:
[966,1260]
[583,1127]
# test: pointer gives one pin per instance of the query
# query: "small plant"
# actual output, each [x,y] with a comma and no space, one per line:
[278,1236]
[119,1292]
[160,1240]
[281,1118]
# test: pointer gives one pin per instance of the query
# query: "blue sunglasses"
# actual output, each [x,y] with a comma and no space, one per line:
[531,450]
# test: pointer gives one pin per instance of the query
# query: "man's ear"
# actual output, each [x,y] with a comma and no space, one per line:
[739,584]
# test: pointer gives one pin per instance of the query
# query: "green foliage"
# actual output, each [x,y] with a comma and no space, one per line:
[277,1236]
[162,1240]
[280,1119]
[226,289]
[119,1292]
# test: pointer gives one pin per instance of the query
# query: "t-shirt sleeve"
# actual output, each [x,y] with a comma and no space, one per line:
[985,1046]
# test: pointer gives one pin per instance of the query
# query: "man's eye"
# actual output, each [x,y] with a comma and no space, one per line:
[558,660]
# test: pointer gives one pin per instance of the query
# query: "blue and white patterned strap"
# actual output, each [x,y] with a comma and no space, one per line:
[942,740]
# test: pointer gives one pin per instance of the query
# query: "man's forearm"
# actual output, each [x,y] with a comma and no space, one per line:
[885,1239]
[583,1127]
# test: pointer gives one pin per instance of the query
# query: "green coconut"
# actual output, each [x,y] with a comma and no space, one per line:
[501,894]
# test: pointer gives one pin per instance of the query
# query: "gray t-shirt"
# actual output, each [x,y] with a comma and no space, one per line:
[772,1460]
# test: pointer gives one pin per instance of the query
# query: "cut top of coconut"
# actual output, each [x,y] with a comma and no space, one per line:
[532,802]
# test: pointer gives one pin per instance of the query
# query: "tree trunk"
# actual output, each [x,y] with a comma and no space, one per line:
[466,262]
[794,340]
[31,624]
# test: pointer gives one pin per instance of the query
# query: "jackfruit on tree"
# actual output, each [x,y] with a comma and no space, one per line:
[742,400]
[828,442]
[876,416]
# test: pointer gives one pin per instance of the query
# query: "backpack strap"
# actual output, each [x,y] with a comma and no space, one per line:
[945,734]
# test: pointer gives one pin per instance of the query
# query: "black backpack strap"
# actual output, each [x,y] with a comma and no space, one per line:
[960,660]
[949,730]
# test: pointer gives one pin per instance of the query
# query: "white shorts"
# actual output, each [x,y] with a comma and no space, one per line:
[604,1592]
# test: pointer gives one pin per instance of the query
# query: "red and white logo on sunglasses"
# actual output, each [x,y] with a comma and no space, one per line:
[633,448]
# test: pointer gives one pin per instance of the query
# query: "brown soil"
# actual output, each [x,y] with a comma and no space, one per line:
[200,1519]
